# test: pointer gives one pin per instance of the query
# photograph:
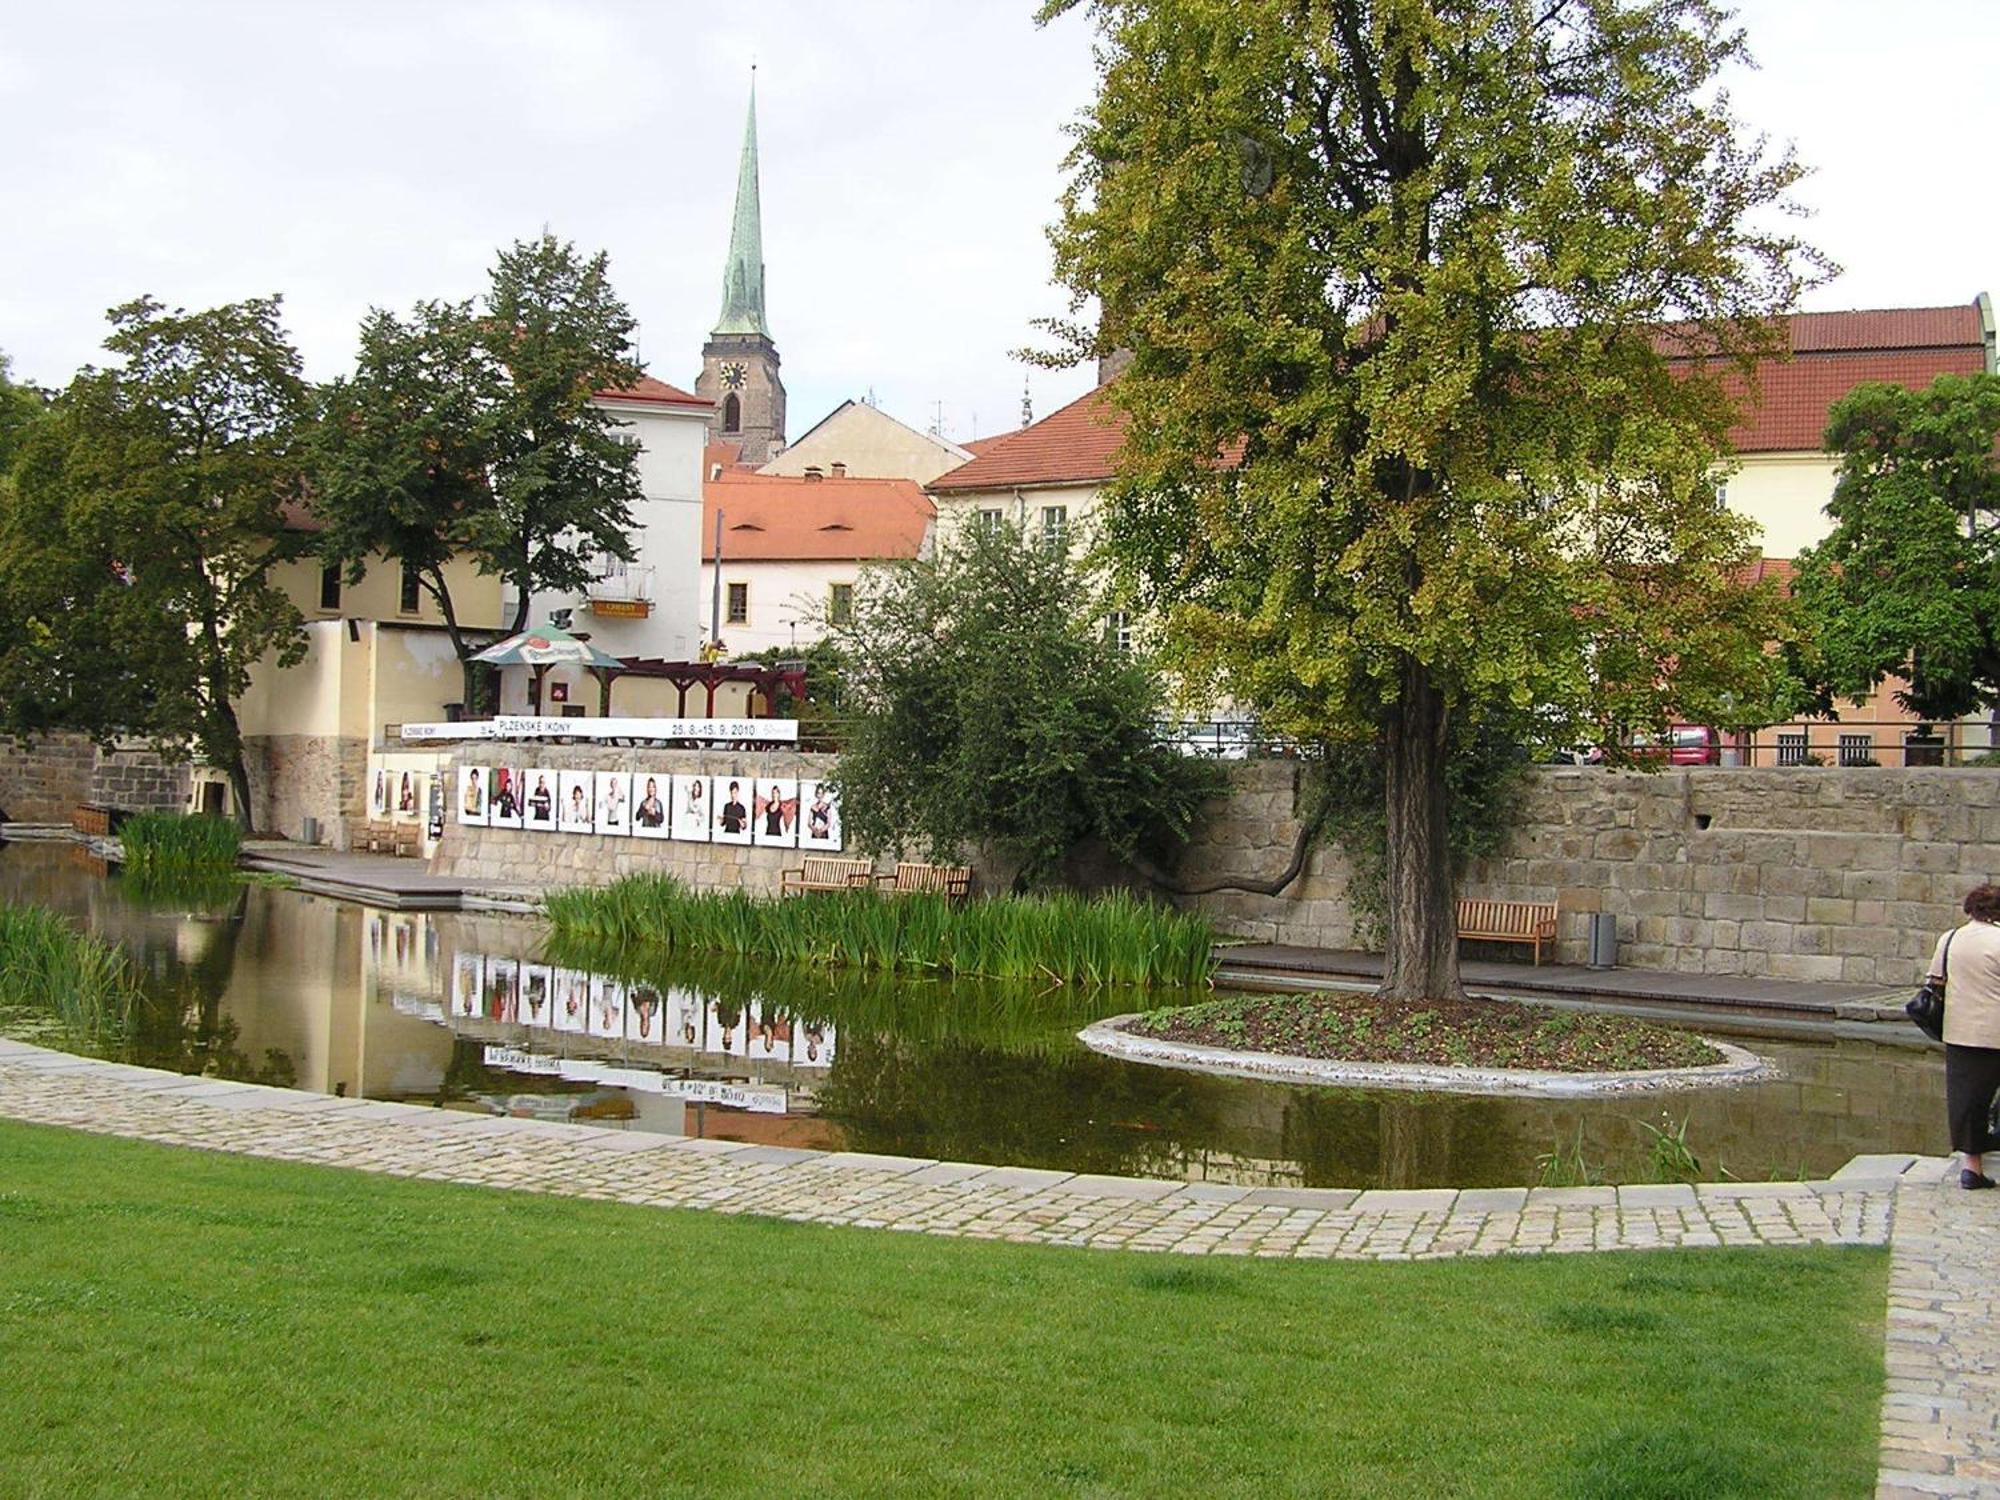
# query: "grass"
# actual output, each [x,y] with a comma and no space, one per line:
[167,844]
[47,966]
[1104,940]
[1464,1034]
[182,1323]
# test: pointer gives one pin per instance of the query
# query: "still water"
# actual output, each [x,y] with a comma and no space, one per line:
[482,1012]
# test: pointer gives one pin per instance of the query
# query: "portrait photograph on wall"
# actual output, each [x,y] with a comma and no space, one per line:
[651,796]
[774,813]
[537,994]
[729,808]
[607,1007]
[614,803]
[577,791]
[503,990]
[541,799]
[819,817]
[689,796]
[644,1013]
[408,795]
[472,796]
[468,979]
[378,791]
[572,992]
[504,803]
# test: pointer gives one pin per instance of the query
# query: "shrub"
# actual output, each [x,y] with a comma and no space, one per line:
[47,964]
[167,844]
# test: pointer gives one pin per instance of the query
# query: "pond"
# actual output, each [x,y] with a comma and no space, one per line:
[481,1012]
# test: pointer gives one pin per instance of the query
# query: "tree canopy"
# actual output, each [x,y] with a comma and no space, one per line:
[1908,582]
[989,709]
[1404,444]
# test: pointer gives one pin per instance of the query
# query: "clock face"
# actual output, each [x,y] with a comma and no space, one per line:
[732,376]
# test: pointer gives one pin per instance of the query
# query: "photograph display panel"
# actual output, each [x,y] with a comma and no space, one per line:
[378,791]
[819,817]
[729,808]
[607,1008]
[409,794]
[770,1034]
[614,803]
[644,1013]
[774,813]
[652,803]
[503,989]
[728,1029]
[691,802]
[813,1045]
[468,983]
[472,796]
[686,1014]
[576,792]
[572,999]
[537,994]
[543,783]
[505,797]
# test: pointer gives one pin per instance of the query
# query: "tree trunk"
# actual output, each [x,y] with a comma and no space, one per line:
[1422,958]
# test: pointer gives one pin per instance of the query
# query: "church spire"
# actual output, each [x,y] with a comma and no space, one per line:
[743,275]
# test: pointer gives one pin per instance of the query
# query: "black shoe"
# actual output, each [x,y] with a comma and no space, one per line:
[1969,1179]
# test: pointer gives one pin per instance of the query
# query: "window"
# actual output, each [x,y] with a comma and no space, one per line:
[329,586]
[408,603]
[840,604]
[732,414]
[989,520]
[1055,522]
[739,604]
[1791,747]
[1118,631]
[1857,749]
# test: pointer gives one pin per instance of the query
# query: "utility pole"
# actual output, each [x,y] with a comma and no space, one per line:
[715,603]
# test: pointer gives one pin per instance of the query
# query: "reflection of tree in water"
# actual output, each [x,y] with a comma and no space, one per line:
[1348,1138]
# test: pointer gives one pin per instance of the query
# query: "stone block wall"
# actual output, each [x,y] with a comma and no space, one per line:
[297,776]
[139,781]
[1811,874]
[43,780]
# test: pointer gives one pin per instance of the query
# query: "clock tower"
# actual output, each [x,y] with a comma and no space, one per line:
[739,363]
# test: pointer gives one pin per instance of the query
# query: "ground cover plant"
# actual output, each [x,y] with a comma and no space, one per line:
[161,845]
[1462,1033]
[1113,939]
[84,985]
[343,1332]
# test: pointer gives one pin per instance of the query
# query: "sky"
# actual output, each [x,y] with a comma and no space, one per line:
[357,154]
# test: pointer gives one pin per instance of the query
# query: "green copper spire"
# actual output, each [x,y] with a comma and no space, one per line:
[743,276]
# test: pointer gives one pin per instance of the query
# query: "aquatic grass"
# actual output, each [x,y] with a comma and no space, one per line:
[167,845]
[1064,939]
[46,965]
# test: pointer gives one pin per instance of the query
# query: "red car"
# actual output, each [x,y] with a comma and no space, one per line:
[1683,745]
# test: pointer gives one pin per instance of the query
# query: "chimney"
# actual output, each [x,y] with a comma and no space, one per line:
[1111,366]
[840,471]
[813,474]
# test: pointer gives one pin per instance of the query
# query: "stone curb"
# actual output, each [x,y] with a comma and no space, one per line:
[1112,1039]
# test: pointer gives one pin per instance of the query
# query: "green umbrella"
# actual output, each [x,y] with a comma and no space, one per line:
[545,646]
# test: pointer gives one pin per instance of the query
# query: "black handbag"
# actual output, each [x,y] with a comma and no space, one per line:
[1926,1007]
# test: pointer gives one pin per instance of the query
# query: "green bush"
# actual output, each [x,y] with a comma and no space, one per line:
[1062,938]
[46,964]
[167,844]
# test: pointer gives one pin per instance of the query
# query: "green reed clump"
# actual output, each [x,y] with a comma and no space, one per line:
[1104,940]
[167,844]
[46,964]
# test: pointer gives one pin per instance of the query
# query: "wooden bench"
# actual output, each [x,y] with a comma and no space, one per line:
[399,839]
[1531,922]
[824,872]
[912,879]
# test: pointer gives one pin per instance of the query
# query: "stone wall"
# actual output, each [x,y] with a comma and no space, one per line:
[1815,874]
[42,781]
[298,776]
[511,857]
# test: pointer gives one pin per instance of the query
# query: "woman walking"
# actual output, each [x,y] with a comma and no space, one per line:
[1967,961]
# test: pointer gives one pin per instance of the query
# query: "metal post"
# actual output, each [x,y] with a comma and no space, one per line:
[715,603]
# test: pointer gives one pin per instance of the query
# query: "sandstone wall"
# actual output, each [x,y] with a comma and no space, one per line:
[42,781]
[1816,873]
[297,776]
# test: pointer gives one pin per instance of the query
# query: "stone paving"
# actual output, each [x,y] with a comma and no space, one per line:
[1941,1410]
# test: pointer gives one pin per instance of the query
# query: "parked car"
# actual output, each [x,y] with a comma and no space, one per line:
[1682,745]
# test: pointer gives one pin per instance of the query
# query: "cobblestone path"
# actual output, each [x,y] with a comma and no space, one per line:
[1941,1410]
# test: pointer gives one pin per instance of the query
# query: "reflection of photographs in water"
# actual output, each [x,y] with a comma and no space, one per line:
[504,805]
[775,813]
[578,791]
[729,804]
[572,999]
[686,1014]
[650,796]
[472,795]
[541,799]
[468,977]
[503,989]
[614,803]
[770,1034]
[607,1007]
[814,1045]
[643,1013]
[726,1029]
[536,994]
[819,818]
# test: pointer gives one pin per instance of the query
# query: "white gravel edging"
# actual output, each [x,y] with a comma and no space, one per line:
[1110,1037]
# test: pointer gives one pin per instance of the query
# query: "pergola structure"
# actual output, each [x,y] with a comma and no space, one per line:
[765,682]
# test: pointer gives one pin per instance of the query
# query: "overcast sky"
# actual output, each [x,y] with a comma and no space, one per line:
[354,154]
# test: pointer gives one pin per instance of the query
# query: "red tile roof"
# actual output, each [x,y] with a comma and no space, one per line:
[729,455]
[1832,353]
[657,393]
[787,518]
[977,446]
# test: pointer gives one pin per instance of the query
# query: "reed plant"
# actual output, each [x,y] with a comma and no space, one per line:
[47,965]
[1061,938]
[168,845]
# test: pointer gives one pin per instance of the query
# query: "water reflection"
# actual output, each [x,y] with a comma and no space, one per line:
[483,1012]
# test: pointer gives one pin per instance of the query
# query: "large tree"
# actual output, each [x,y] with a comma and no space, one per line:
[470,432]
[1908,582]
[150,511]
[1400,279]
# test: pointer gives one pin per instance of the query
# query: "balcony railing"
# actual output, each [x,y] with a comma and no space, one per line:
[625,584]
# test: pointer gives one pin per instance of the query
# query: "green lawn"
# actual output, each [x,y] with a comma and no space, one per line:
[179,1323]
